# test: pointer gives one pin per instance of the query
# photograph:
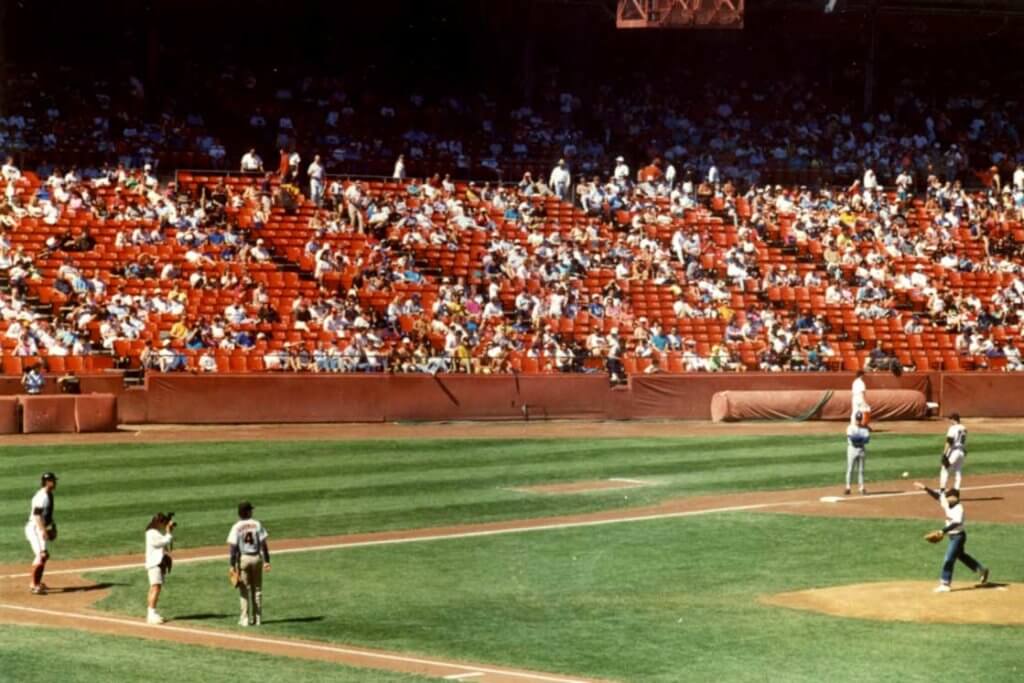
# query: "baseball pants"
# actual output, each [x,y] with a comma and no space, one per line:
[855,461]
[35,540]
[956,466]
[250,588]
[955,551]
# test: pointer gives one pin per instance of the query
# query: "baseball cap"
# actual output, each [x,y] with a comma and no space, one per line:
[954,416]
[49,476]
[244,507]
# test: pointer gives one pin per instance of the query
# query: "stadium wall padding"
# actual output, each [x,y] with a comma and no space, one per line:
[372,398]
[10,422]
[983,394]
[886,404]
[44,414]
[95,413]
[227,399]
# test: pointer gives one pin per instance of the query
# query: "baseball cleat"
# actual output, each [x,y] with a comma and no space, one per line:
[259,620]
[863,492]
[154,619]
[983,579]
[942,588]
[38,590]
[846,492]
[243,622]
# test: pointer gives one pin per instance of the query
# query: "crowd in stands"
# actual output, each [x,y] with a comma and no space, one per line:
[624,234]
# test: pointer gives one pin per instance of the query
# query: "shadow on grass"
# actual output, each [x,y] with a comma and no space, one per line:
[202,616]
[84,589]
[979,500]
[293,620]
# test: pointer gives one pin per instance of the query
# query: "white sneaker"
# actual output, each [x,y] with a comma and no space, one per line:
[942,588]
[243,622]
[983,579]
[258,621]
[154,618]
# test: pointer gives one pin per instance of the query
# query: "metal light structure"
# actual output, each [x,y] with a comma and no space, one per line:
[680,14]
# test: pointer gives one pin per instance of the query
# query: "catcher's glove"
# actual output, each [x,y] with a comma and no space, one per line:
[934,536]
[51,532]
[234,576]
[166,564]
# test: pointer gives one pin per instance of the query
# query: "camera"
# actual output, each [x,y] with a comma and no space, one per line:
[170,520]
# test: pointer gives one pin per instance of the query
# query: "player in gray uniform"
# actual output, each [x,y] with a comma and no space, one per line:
[857,437]
[954,453]
[247,542]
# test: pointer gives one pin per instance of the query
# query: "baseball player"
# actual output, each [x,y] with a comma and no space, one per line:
[41,529]
[957,535]
[859,401]
[159,538]
[250,555]
[954,453]
[857,437]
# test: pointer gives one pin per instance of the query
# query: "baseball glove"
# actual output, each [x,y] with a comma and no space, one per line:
[234,576]
[933,536]
[166,564]
[51,532]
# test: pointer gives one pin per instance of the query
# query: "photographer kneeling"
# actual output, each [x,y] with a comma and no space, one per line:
[158,560]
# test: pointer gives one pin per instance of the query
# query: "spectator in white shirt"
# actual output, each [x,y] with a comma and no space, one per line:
[251,162]
[560,180]
[399,172]
[317,176]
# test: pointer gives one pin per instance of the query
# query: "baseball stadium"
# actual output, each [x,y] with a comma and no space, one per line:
[511,341]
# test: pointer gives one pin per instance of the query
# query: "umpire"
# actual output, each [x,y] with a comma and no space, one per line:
[250,557]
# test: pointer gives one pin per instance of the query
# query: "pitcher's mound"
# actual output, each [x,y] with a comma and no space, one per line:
[967,603]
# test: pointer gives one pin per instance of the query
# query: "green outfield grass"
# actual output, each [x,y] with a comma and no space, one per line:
[108,492]
[665,600]
[45,655]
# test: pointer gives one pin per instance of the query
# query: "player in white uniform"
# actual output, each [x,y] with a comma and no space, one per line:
[247,542]
[859,401]
[954,453]
[857,437]
[159,538]
[41,529]
[956,532]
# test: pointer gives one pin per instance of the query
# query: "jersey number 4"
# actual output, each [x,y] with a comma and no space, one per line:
[249,538]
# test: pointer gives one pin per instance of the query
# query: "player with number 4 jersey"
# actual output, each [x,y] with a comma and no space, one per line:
[250,555]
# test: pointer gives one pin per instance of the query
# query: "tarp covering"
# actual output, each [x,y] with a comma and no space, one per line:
[688,397]
[886,404]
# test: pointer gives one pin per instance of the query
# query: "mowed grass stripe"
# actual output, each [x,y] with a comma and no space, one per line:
[307,489]
[661,600]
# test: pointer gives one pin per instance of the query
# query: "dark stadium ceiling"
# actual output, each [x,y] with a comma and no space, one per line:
[912,7]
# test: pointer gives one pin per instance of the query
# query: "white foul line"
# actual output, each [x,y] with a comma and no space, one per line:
[476,670]
[436,537]
[508,530]
[460,677]
[917,492]
[629,481]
